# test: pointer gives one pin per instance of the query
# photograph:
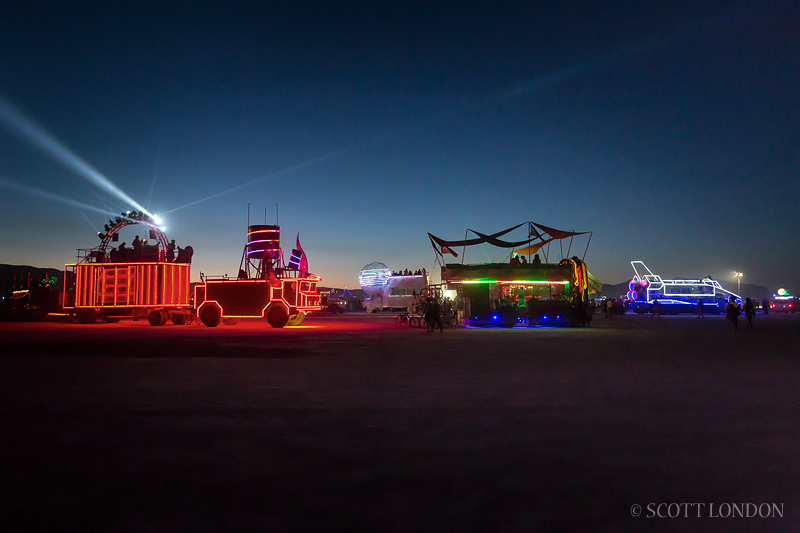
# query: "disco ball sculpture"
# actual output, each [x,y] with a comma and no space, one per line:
[373,277]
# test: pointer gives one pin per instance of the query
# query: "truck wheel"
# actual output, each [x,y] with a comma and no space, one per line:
[277,317]
[230,321]
[157,317]
[296,319]
[210,316]
[87,316]
[179,319]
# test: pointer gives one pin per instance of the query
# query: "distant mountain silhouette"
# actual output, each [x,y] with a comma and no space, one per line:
[16,276]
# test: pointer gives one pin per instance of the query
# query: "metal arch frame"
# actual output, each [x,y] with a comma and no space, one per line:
[122,222]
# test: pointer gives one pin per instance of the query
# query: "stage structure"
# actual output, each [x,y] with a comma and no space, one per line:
[524,290]
[675,295]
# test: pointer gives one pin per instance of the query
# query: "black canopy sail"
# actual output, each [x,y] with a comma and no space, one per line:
[536,239]
[501,244]
[468,242]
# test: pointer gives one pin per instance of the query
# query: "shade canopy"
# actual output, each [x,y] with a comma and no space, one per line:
[538,236]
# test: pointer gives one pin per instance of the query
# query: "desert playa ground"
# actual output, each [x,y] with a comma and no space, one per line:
[350,422]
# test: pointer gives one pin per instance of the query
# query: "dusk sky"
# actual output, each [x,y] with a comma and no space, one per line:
[668,129]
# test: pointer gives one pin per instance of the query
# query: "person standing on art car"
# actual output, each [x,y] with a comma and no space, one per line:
[749,311]
[171,251]
[732,312]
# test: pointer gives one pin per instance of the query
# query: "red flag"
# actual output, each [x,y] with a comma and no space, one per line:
[448,250]
[303,260]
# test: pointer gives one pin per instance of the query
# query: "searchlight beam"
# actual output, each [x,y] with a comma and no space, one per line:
[28,130]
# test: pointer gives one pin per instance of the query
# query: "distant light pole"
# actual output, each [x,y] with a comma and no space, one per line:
[738,282]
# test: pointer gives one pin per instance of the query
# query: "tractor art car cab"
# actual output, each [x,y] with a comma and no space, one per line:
[283,293]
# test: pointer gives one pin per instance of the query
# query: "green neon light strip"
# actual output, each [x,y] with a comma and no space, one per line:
[513,282]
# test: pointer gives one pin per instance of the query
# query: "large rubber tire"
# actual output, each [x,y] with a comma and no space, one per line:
[296,319]
[210,316]
[87,316]
[230,321]
[277,316]
[157,317]
[179,319]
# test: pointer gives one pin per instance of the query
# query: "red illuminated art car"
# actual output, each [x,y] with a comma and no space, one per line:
[265,287]
[152,280]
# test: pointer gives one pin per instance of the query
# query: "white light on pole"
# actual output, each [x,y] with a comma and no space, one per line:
[739,282]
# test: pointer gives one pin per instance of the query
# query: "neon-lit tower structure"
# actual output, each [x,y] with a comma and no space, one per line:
[262,253]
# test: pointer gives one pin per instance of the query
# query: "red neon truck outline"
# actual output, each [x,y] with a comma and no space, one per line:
[110,284]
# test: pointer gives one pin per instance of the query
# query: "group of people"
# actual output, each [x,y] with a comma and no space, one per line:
[733,309]
[519,259]
[142,251]
[610,307]
[437,314]
[407,272]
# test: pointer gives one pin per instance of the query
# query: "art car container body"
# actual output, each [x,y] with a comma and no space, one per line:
[505,294]
[147,280]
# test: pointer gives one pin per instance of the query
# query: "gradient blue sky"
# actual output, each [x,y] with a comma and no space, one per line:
[669,129]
